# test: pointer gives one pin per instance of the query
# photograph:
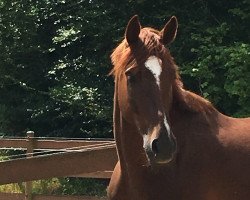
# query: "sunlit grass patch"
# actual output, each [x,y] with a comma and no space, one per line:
[49,186]
[11,188]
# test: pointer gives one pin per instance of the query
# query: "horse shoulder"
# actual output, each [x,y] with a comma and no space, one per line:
[116,189]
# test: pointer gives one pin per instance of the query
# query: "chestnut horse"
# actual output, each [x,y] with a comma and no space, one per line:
[172,144]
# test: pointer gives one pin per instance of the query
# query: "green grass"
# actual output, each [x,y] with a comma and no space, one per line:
[61,186]
[49,186]
[11,188]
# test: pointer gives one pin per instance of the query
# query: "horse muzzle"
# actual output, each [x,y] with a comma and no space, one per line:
[160,146]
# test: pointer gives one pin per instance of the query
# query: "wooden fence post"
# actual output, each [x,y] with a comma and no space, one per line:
[30,150]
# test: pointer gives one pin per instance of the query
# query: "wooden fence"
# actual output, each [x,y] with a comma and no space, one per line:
[48,157]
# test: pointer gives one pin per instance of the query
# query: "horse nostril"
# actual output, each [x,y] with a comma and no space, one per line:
[154,147]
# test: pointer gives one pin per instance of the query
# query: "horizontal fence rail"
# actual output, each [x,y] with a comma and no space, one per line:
[43,158]
[46,158]
[58,165]
[11,143]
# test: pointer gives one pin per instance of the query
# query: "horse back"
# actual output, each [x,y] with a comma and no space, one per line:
[234,134]
[234,137]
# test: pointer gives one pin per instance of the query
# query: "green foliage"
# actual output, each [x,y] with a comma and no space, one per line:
[221,69]
[48,186]
[10,188]
[50,80]
[80,186]
[54,59]
[3,119]
[237,83]
[61,186]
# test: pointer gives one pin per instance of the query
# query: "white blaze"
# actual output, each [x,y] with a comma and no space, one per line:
[167,126]
[154,65]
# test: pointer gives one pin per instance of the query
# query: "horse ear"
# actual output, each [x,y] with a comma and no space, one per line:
[133,30]
[168,33]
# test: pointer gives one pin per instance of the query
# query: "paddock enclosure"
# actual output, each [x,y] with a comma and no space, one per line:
[54,157]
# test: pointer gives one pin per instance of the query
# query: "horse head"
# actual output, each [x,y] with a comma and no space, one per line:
[145,72]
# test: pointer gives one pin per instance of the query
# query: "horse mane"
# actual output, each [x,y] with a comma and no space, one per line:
[189,101]
[123,57]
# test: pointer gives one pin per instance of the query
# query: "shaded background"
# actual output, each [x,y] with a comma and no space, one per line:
[54,59]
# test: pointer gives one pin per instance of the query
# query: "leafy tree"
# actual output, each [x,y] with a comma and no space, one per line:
[220,59]
[54,59]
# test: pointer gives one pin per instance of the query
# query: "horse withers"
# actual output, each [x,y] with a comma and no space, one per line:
[171,143]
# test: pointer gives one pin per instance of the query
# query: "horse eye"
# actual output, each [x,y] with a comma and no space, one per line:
[128,73]
[131,74]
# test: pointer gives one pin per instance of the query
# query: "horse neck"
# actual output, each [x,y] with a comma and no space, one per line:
[190,110]
[129,142]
